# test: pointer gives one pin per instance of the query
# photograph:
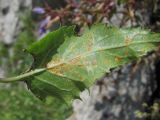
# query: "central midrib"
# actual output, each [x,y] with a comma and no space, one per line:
[98,50]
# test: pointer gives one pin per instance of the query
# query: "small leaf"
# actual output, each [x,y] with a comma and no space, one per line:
[73,63]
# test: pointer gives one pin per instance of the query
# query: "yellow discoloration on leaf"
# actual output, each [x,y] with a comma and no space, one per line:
[89,47]
[78,76]
[58,70]
[54,62]
[126,53]
[75,60]
[90,43]
[106,61]
[85,58]
[128,41]
[118,59]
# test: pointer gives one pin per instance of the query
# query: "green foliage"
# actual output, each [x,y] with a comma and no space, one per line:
[18,104]
[13,59]
[149,112]
[71,63]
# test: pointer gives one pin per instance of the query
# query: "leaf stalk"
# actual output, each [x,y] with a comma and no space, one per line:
[21,77]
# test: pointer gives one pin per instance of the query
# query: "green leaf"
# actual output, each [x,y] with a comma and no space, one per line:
[47,47]
[73,63]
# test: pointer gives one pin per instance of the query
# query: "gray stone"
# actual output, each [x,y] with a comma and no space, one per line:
[124,90]
[118,98]
[9,18]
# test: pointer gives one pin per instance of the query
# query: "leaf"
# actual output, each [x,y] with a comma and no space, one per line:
[73,63]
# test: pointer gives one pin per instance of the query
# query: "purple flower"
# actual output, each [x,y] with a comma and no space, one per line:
[45,21]
[42,26]
[39,10]
[41,31]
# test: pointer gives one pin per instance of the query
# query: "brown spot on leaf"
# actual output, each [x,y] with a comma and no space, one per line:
[118,59]
[126,53]
[90,42]
[89,46]
[53,62]
[58,70]
[128,41]
[77,75]
[57,67]
[75,60]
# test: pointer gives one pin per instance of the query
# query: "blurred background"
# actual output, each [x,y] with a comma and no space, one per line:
[116,97]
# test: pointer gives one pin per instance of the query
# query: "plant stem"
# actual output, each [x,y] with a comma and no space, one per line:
[21,77]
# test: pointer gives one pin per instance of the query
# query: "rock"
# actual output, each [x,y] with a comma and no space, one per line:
[120,95]
[9,18]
